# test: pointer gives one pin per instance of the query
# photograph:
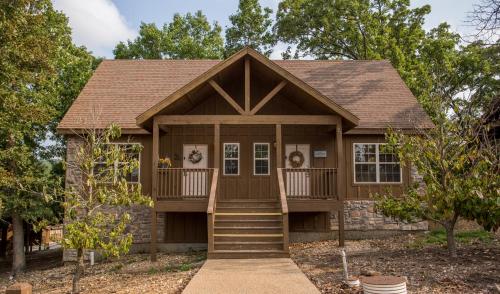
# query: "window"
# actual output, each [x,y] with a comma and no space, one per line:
[261,158]
[131,152]
[231,159]
[373,163]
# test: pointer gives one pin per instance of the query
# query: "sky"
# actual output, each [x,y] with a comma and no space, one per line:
[101,24]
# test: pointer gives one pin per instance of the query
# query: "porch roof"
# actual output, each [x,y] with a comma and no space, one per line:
[121,90]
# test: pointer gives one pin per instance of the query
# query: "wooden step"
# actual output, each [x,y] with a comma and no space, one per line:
[248,204]
[228,254]
[248,217]
[249,230]
[249,209]
[272,245]
[247,213]
[247,222]
[248,237]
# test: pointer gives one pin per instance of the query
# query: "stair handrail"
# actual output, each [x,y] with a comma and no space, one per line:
[211,208]
[284,209]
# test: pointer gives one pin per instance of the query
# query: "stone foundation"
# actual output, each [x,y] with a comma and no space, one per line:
[360,215]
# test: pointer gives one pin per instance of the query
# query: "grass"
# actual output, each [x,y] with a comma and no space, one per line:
[438,237]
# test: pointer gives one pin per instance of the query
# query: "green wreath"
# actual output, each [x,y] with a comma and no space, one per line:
[195,156]
[296,159]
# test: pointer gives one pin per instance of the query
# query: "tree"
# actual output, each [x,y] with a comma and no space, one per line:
[34,41]
[94,214]
[461,175]
[486,18]
[251,26]
[186,37]
[428,62]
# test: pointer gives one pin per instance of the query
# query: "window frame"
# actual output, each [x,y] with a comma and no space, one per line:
[268,158]
[224,158]
[376,163]
[117,163]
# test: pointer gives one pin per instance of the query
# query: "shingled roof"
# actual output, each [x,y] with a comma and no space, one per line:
[121,90]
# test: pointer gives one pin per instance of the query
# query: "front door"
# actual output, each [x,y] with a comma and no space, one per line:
[298,180]
[194,182]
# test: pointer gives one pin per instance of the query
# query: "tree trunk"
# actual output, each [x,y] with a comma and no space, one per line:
[450,240]
[19,257]
[3,243]
[78,271]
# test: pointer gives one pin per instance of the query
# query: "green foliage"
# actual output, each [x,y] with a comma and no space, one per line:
[460,170]
[251,26]
[438,237]
[186,37]
[432,64]
[40,75]
[94,212]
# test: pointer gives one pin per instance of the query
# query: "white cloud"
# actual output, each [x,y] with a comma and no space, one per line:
[97,24]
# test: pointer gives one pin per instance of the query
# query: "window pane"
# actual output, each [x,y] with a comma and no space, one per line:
[231,167]
[231,151]
[261,167]
[365,152]
[390,173]
[261,150]
[386,155]
[366,172]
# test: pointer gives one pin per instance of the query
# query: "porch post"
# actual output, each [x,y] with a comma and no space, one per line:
[340,181]
[154,186]
[216,145]
[279,147]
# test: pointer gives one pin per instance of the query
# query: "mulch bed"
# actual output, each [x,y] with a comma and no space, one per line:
[427,269]
[133,273]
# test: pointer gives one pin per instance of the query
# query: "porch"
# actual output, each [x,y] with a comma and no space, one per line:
[247,215]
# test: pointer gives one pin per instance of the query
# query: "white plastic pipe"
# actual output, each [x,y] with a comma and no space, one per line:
[91,256]
[344,262]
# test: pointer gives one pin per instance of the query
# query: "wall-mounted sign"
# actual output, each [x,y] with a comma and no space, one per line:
[319,153]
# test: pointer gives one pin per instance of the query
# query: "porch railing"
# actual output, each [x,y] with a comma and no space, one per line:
[309,183]
[212,205]
[184,183]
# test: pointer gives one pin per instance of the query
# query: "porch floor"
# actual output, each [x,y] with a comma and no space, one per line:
[272,275]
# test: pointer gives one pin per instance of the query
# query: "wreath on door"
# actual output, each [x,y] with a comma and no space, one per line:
[195,156]
[296,159]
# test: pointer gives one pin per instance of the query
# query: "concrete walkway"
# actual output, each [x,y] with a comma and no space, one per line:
[266,275]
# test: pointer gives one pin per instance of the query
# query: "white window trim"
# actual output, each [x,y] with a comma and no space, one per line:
[268,158]
[377,165]
[224,159]
[118,162]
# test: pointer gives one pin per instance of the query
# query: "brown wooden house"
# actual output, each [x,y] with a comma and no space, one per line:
[262,150]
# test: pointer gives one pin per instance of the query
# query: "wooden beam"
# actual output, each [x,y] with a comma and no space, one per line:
[341,182]
[198,81]
[268,97]
[154,187]
[247,85]
[216,145]
[279,147]
[249,119]
[226,96]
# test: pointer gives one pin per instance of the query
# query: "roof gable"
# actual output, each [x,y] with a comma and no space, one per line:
[243,53]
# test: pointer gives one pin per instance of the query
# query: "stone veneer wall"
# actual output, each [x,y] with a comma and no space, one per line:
[360,215]
[140,225]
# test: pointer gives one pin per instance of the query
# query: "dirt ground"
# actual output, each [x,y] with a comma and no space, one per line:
[427,268]
[131,274]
